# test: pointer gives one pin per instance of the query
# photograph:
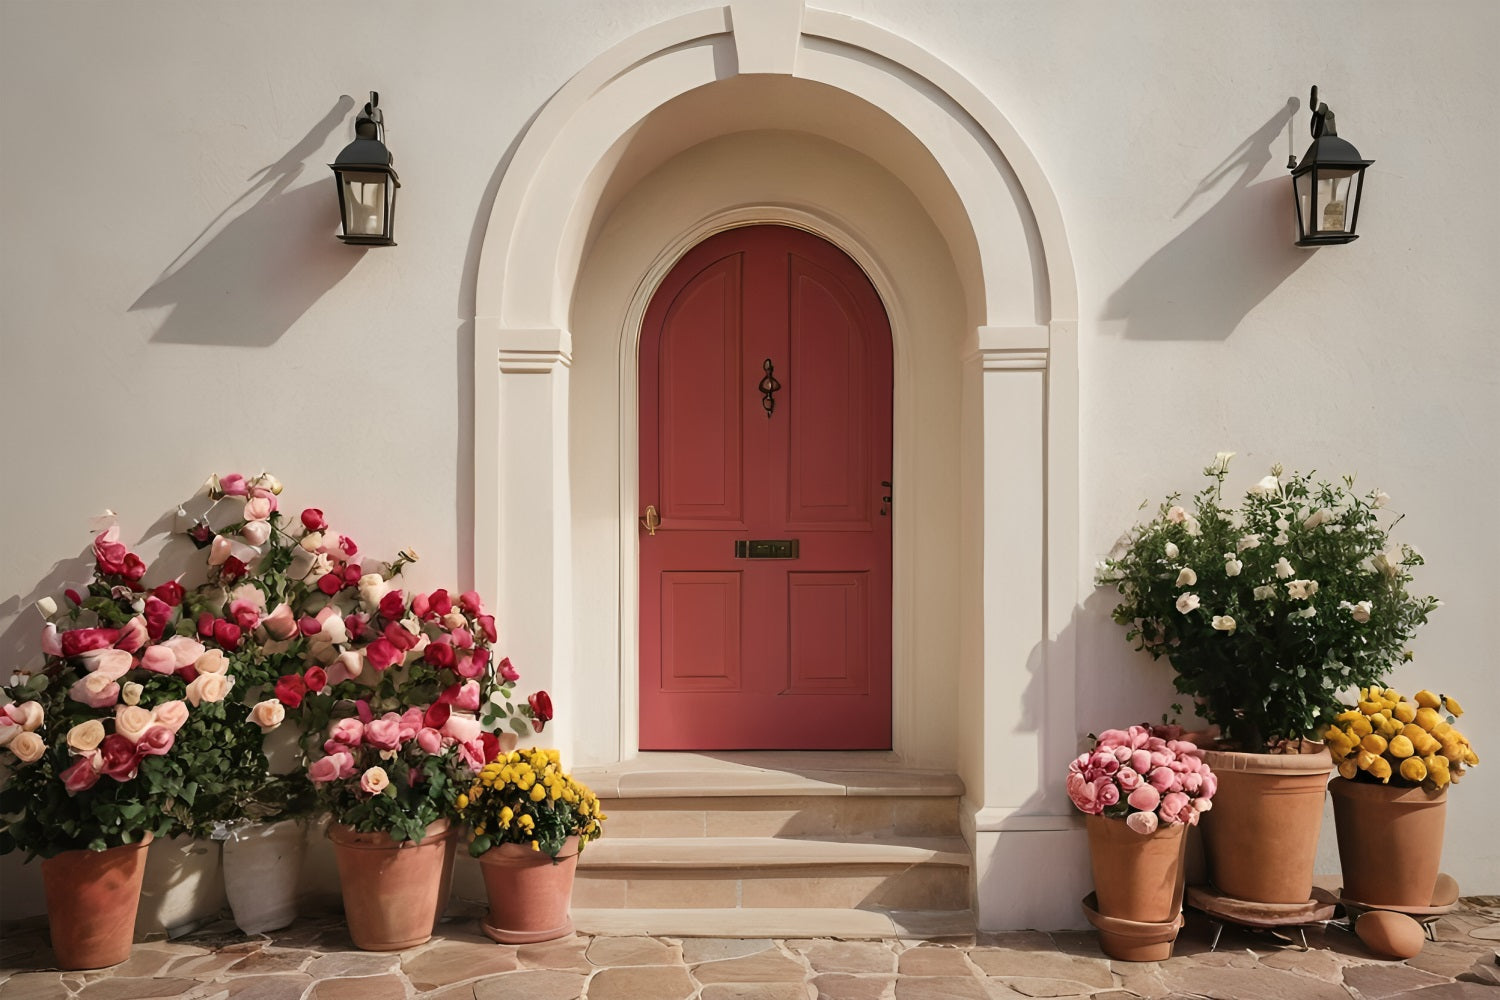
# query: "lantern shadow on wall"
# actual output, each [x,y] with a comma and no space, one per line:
[1208,277]
[263,260]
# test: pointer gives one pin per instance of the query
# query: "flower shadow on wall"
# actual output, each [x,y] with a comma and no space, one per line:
[1202,283]
[262,261]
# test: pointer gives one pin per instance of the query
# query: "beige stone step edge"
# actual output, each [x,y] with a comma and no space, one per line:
[663,775]
[667,853]
[774,923]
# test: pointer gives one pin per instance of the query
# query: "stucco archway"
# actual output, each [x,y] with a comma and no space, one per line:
[1014,359]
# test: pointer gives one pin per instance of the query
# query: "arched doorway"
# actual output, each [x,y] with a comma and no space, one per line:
[765,468]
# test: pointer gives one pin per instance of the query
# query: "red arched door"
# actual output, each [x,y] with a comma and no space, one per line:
[766,589]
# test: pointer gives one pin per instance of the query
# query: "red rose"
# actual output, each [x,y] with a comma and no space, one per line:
[73,595]
[135,567]
[507,672]
[541,707]
[81,775]
[110,553]
[490,744]
[206,625]
[392,605]
[381,654]
[439,654]
[169,593]
[312,519]
[118,757]
[330,583]
[470,602]
[355,626]
[352,573]
[440,602]
[399,637]
[316,679]
[245,614]
[347,544]
[436,716]
[308,625]
[227,634]
[487,624]
[290,690]
[232,569]
[158,612]
[81,640]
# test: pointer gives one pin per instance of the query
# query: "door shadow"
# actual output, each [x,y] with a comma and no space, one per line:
[1202,283]
[263,260]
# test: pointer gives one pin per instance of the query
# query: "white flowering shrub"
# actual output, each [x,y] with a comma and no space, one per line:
[1269,610]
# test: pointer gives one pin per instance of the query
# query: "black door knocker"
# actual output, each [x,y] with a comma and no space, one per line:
[768,388]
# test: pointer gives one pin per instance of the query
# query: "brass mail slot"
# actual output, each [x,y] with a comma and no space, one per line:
[766,548]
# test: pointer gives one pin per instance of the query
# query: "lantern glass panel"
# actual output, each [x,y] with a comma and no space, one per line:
[1334,209]
[364,202]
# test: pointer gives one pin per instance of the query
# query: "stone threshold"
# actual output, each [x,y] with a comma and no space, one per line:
[757,852]
[777,923]
[657,774]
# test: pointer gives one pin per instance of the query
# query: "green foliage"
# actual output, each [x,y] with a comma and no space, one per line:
[1267,612]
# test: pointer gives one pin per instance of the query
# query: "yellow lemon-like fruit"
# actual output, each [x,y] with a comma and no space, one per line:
[1349,767]
[1427,745]
[1391,694]
[1427,717]
[1454,708]
[1380,768]
[1405,711]
[1370,707]
[1426,699]
[1361,727]
[1413,770]
[1389,728]
[1400,747]
[1348,716]
[1375,743]
[1378,719]
[1364,759]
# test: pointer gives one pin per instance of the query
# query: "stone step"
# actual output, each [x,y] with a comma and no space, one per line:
[757,872]
[772,922]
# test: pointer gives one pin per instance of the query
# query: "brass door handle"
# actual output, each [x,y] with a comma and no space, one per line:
[651,520]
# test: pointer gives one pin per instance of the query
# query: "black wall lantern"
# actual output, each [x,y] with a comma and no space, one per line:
[1327,183]
[367,184]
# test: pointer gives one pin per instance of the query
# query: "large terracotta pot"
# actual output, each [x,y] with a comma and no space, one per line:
[1390,841]
[262,874]
[1137,877]
[529,895]
[394,890]
[92,897]
[1261,838]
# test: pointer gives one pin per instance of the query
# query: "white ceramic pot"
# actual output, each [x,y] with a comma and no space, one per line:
[262,874]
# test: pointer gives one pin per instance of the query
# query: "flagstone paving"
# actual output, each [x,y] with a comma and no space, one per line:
[315,960]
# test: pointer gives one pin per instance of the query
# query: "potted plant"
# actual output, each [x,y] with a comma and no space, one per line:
[106,746]
[1266,611]
[528,821]
[1141,788]
[1396,758]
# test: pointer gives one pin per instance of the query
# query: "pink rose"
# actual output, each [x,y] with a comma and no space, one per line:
[470,602]
[1111,738]
[118,758]
[430,740]
[233,485]
[1140,761]
[1161,778]
[159,660]
[51,640]
[508,672]
[110,552]
[245,614]
[466,696]
[268,714]
[133,636]
[81,640]
[185,649]
[171,714]
[374,781]
[156,741]
[487,625]
[1145,798]
[344,733]
[256,532]
[384,733]
[96,690]
[1128,779]
[280,623]
[472,754]
[83,774]
[259,508]
[132,721]
[349,664]
[411,722]
[1106,792]
[220,551]
[29,715]
[1172,806]
[462,728]
[1144,823]
[111,663]
[209,688]
[382,654]
[1081,791]
[334,767]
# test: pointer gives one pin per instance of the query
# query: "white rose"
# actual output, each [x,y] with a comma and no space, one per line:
[130,693]
[1232,567]
[256,532]
[1380,499]
[1266,487]
[1187,602]
[372,587]
[28,747]
[1301,590]
[268,714]
[1388,563]
[47,606]
[1176,515]
[212,661]
[1191,526]
[1187,577]
[1307,612]
[1171,551]
[1248,542]
[1224,623]
[1221,464]
[208,688]
[132,721]
[1264,593]
[312,541]
[85,736]
[1360,612]
[1284,570]
[1316,518]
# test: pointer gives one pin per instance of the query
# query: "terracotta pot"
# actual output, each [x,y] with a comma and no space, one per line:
[92,897]
[529,895]
[1390,841]
[1261,837]
[1137,877]
[1132,940]
[394,890]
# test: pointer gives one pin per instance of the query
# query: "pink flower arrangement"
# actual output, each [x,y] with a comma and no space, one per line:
[1145,774]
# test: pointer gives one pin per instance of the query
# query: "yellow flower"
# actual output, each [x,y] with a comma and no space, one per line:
[1426,699]
[1381,768]
[1374,743]
[1401,748]
[1405,711]
[1413,770]
[1348,768]
[1454,708]
[462,801]
[1427,717]
[538,793]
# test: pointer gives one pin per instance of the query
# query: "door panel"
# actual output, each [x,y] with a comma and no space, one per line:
[788,653]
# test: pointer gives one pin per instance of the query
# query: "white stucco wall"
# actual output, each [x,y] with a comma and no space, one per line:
[205,319]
